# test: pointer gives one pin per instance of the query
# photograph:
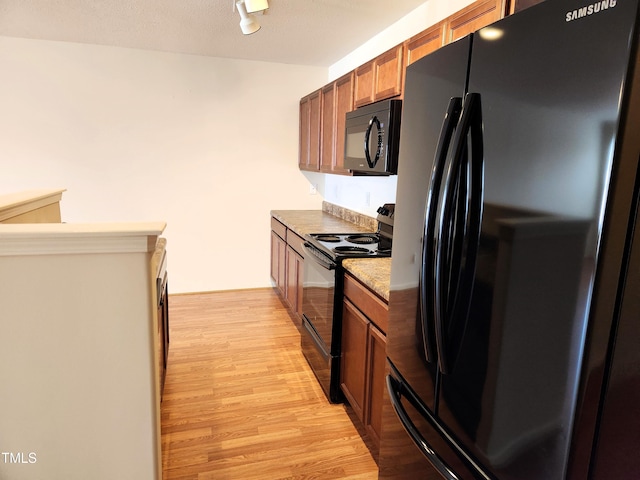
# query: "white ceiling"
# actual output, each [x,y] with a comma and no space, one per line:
[304,32]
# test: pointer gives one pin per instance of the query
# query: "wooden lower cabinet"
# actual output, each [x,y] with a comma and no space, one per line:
[278,259]
[362,366]
[287,266]
[377,360]
[353,364]
[293,294]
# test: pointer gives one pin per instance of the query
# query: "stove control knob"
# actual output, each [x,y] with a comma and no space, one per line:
[383,211]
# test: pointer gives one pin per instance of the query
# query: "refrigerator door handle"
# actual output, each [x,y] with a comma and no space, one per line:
[396,391]
[427,289]
[458,233]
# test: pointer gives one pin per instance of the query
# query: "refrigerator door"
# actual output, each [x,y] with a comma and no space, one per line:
[550,83]
[619,430]
[434,86]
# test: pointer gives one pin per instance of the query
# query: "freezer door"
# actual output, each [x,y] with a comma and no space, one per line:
[550,81]
[414,447]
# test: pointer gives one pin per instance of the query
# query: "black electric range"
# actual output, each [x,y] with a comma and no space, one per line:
[322,294]
[338,246]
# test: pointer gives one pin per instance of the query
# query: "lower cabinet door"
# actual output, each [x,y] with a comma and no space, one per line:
[364,355]
[295,277]
[353,366]
[278,253]
[377,359]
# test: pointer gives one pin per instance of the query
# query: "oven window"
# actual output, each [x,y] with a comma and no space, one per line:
[317,299]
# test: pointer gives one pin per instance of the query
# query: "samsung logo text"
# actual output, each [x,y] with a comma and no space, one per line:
[590,9]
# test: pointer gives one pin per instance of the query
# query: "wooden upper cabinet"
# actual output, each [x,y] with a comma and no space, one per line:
[389,71]
[322,113]
[328,129]
[303,144]
[337,100]
[379,78]
[342,103]
[518,5]
[315,110]
[309,149]
[477,15]
[363,84]
[424,43]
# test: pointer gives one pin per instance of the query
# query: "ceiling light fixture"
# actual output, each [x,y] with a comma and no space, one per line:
[253,6]
[248,24]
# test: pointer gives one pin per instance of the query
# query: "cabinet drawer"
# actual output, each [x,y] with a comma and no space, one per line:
[279,228]
[371,305]
[295,241]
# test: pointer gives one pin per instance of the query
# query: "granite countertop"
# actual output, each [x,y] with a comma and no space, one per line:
[317,221]
[375,273]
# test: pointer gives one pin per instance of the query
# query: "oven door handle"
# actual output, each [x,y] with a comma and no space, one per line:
[319,257]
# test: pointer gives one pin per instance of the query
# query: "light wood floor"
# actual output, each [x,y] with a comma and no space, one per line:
[240,401]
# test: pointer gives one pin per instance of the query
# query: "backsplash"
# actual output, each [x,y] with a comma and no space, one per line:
[350,216]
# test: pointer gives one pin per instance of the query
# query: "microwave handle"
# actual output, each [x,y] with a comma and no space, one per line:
[374,121]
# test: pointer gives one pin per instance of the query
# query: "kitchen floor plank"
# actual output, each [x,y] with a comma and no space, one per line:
[240,401]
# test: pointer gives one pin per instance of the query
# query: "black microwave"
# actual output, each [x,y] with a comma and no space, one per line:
[372,136]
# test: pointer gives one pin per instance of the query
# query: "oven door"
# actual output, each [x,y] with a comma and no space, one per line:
[318,307]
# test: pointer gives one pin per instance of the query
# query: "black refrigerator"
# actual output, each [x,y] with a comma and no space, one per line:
[514,312]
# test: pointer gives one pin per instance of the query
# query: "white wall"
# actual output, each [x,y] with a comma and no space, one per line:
[208,145]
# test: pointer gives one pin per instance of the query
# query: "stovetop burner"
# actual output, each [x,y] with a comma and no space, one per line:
[344,245]
[362,239]
[328,238]
[350,249]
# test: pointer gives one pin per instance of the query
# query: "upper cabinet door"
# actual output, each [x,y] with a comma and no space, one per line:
[424,43]
[303,147]
[388,74]
[328,128]
[363,84]
[309,149]
[380,78]
[477,15]
[337,100]
[343,104]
